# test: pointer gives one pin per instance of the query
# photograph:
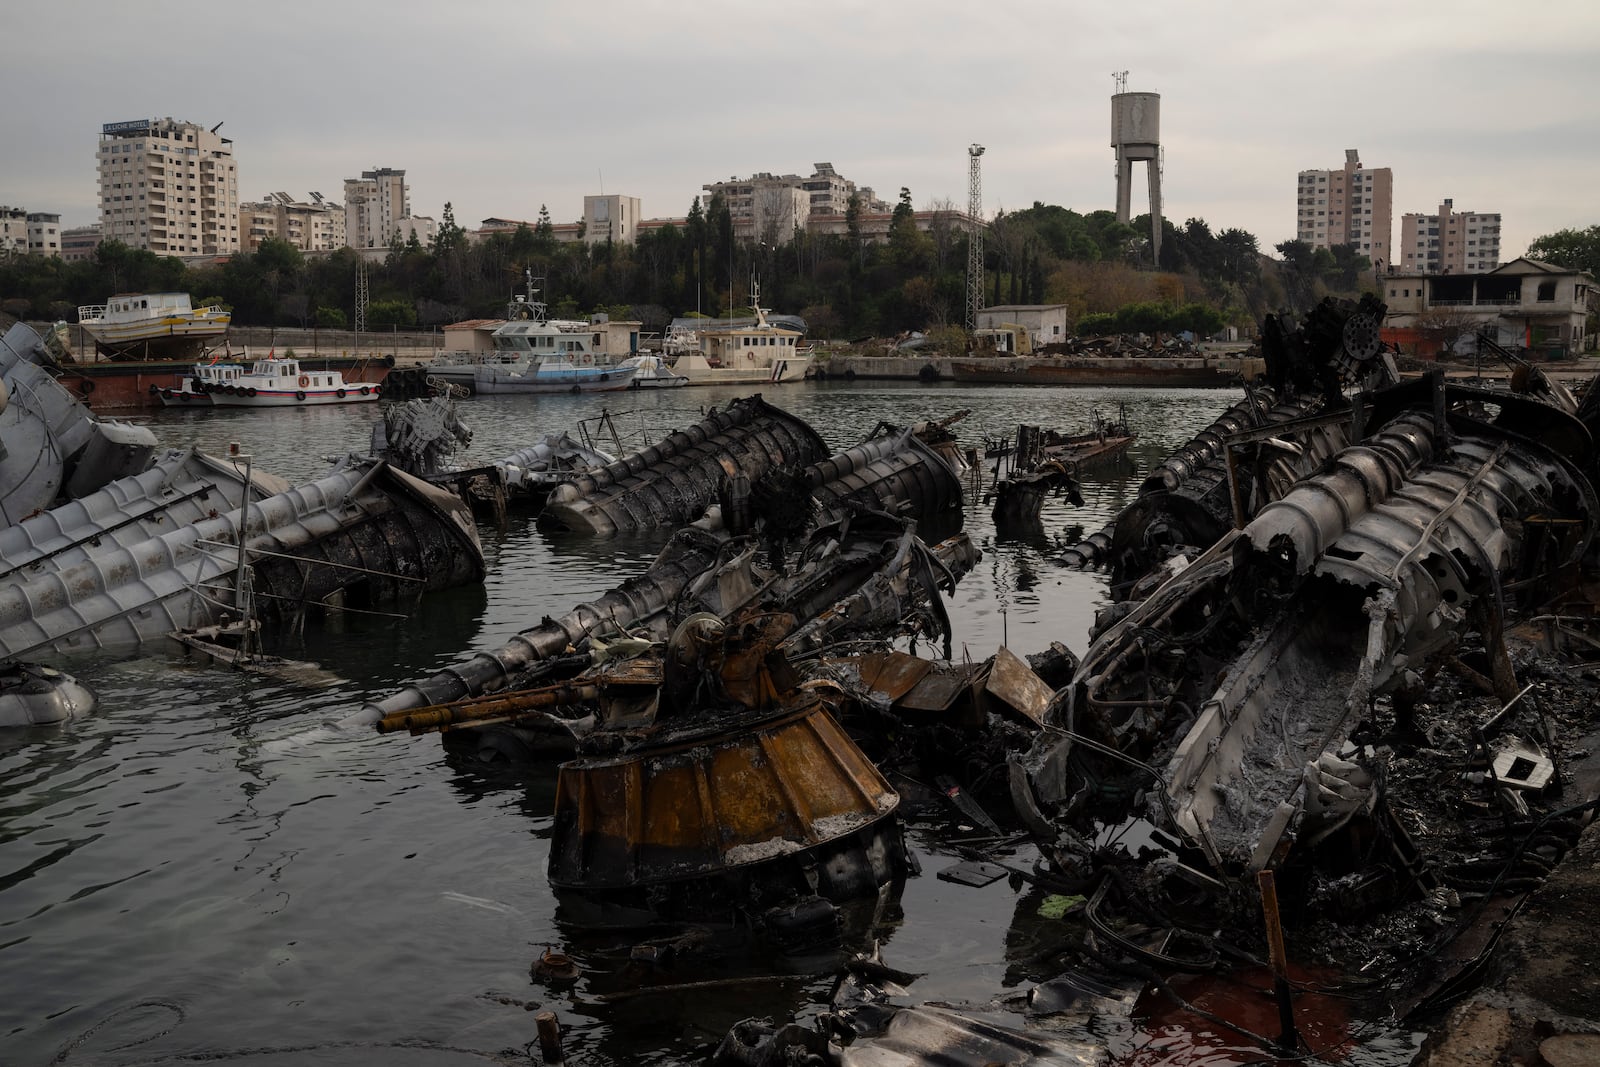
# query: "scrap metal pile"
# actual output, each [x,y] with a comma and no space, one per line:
[1326,695]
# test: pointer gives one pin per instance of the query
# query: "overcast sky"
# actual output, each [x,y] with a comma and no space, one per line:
[499,107]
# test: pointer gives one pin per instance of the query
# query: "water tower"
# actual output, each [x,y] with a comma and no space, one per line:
[1136,135]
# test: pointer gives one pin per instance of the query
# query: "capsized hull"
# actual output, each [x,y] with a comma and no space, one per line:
[363,535]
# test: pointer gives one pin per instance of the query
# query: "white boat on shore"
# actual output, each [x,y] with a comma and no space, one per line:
[152,325]
[196,387]
[275,382]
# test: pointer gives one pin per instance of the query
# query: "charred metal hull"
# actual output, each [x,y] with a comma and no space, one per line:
[706,801]
[1388,592]
[1237,683]
[699,569]
[369,532]
[704,566]
[671,483]
[50,446]
[182,488]
[895,473]
[533,471]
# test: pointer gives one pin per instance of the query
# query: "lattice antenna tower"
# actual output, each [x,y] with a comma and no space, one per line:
[361,296]
[975,239]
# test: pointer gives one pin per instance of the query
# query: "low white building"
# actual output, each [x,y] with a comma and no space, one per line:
[1045,323]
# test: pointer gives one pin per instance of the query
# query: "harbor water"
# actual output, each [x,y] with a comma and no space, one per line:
[205,870]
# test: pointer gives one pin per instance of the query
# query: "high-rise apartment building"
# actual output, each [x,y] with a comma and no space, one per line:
[171,187]
[1350,206]
[374,204]
[1450,242]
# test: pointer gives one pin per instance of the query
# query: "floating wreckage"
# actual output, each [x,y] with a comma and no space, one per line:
[1045,462]
[35,695]
[361,537]
[706,782]
[672,482]
[109,546]
[707,566]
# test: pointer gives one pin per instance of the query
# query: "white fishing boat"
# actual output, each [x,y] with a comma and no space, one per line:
[746,355]
[152,325]
[652,372]
[283,382]
[196,387]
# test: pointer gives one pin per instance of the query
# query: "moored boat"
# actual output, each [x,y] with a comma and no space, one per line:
[283,382]
[746,355]
[196,387]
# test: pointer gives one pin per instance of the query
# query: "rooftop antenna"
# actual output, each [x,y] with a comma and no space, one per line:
[1121,78]
[218,126]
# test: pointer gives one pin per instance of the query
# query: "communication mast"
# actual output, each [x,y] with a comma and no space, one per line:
[361,297]
[975,239]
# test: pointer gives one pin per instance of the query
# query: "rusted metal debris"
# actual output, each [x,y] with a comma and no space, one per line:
[1045,462]
[705,566]
[671,483]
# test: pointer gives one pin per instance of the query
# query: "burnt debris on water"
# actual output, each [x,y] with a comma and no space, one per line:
[1328,737]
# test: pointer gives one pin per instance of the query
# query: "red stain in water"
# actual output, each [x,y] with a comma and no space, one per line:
[1172,1036]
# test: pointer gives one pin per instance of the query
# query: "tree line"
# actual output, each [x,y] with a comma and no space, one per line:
[845,285]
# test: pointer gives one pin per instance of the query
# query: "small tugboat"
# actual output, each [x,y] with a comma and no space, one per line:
[275,382]
[198,385]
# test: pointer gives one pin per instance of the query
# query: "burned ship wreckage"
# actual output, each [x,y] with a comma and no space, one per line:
[1326,699]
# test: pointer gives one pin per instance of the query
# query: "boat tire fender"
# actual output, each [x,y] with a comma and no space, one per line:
[304,381]
[577,388]
[850,374]
[605,377]
[86,387]
[250,391]
[340,394]
[299,394]
[364,390]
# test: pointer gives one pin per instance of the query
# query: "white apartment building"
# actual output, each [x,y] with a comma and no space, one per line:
[612,218]
[374,204]
[34,232]
[44,233]
[1450,242]
[316,225]
[171,187]
[1350,206]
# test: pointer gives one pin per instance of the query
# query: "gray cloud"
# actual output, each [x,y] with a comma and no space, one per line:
[500,107]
